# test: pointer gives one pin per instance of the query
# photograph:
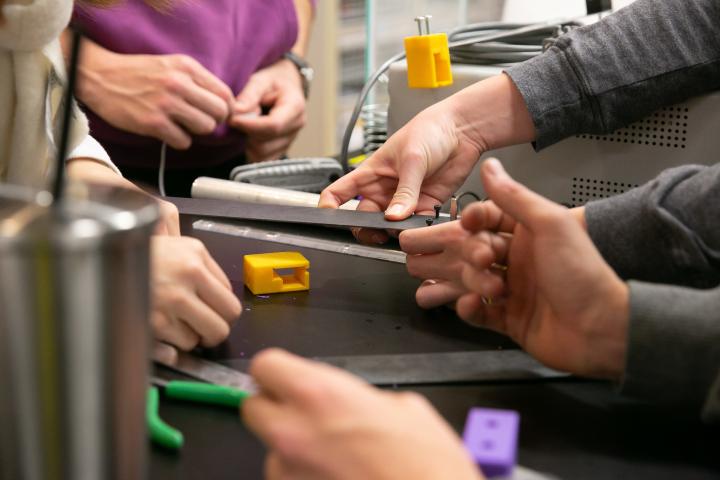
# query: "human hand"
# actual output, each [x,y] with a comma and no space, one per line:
[558,298]
[169,222]
[434,255]
[423,163]
[193,301]
[168,97]
[322,423]
[279,88]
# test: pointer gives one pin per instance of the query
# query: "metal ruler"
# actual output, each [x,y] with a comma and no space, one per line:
[306,240]
[210,372]
[213,208]
[393,369]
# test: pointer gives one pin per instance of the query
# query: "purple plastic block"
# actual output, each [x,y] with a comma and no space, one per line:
[491,437]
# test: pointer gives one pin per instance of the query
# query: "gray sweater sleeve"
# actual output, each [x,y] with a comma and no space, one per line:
[666,231]
[600,77]
[674,347]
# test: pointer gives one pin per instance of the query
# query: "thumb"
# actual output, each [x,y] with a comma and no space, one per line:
[249,98]
[524,205]
[411,174]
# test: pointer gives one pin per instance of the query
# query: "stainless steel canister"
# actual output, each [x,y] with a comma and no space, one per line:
[74,340]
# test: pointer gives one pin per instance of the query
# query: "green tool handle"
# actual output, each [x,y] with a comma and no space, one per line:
[160,432]
[206,393]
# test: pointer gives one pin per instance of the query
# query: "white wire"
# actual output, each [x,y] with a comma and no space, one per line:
[161,170]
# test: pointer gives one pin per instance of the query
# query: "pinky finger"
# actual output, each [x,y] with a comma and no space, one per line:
[434,293]
[474,310]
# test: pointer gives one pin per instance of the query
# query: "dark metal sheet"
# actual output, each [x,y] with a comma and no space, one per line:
[436,368]
[213,208]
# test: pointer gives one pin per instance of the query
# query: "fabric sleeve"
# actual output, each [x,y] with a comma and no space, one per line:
[666,231]
[91,148]
[673,351]
[598,78]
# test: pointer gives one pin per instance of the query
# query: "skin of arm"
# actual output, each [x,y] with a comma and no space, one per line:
[278,89]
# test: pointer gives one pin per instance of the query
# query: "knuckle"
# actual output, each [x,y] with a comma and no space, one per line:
[182,61]
[188,342]
[403,192]
[194,269]
[413,400]
[155,123]
[311,393]
[220,333]
[172,82]
[160,322]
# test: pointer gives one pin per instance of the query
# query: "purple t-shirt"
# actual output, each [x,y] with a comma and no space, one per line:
[231,38]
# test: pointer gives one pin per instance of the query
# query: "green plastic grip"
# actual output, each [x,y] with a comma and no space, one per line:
[160,432]
[206,393]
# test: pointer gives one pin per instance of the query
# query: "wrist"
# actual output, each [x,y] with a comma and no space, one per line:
[493,113]
[94,60]
[607,344]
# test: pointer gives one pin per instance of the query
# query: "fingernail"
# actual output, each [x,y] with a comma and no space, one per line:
[396,209]
[493,166]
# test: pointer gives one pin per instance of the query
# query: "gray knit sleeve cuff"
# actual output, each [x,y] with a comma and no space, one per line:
[673,344]
[554,95]
[619,225]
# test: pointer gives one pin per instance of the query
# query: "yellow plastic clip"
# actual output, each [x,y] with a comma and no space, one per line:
[262,276]
[428,58]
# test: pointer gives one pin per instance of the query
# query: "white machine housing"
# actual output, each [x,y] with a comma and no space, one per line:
[585,167]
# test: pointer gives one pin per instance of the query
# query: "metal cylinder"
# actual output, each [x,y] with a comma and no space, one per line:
[74,335]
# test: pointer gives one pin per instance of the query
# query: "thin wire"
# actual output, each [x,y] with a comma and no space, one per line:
[59,180]
[161,170]
[344,160]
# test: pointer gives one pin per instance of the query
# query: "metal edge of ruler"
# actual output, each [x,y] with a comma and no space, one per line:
[334,246]
[210,372]
[436,368]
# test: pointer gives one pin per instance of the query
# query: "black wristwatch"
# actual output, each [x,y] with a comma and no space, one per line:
[306,71]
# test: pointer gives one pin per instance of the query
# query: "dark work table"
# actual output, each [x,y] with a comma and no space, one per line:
[570,428]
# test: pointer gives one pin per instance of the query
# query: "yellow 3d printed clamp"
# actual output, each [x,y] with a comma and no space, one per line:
[428,58]
[262,276]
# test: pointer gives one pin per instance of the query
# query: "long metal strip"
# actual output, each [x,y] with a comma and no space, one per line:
[437,368]
[393,369]
[213,208]
[304,241]
[210,372]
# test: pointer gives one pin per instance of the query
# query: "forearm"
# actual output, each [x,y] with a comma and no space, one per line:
[305,10]
[665,231]
[492,114]
[91,170]
[673,350]
[606,75]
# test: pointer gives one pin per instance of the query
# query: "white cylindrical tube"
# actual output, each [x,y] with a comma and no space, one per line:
[207,187]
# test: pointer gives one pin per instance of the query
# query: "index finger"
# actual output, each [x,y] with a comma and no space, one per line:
[207,80]
[486,216]
[290,378]
[346,187]
[432,239]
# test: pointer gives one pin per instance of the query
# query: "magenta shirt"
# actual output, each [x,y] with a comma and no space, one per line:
[231,38]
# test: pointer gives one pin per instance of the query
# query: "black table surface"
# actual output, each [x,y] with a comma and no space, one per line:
[570,428]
